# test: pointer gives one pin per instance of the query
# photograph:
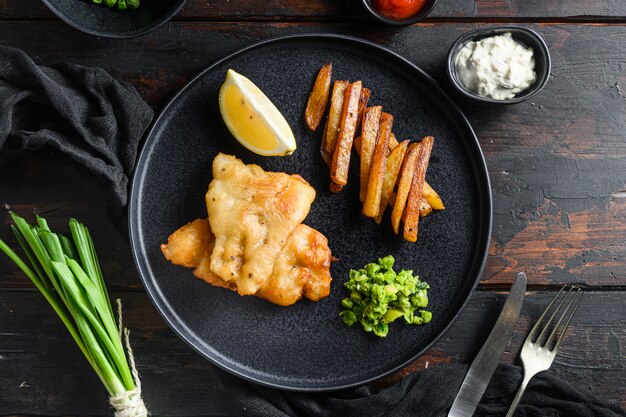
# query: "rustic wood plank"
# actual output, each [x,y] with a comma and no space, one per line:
[348,10]
[352,9]
[43,372]
[59,191]
[557,162]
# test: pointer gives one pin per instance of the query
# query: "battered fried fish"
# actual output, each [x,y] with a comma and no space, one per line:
[301,269]
[191,246]
[252,213]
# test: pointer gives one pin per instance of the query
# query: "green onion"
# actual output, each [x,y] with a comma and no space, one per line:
[67,273]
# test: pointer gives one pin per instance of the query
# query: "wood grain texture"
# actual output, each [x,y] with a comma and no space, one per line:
[346,10]
[44,372]
[557,163]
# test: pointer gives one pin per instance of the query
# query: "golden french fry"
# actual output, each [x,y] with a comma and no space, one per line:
[356,145]
[343,148]
[393,142]
[404,185]
[432,197]
[394,162]
[365,97]
[334,187]
[425,208]
[371,121]
[318,99]
[326,156]
[334,114]
[412,211]
[371,205]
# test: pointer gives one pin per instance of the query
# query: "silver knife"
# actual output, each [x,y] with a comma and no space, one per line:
[486,361]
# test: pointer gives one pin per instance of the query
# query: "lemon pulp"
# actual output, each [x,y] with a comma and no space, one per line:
[246,121]
[253,119]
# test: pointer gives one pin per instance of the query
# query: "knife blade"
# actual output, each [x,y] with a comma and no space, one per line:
[487,360]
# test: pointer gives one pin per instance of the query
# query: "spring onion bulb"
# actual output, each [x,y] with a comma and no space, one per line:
[67,273]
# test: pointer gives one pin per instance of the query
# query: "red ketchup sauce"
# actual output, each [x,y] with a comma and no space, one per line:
[398,9]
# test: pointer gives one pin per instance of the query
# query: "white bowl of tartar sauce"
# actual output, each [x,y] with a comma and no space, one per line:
[499,65]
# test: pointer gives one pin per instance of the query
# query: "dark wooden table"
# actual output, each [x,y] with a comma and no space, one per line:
[557,165]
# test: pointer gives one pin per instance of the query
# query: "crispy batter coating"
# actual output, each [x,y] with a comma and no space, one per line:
[301,269]
[253,241]
[252,213]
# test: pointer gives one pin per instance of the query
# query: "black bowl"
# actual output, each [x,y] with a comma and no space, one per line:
[100,20]
[420,15]
[526,37]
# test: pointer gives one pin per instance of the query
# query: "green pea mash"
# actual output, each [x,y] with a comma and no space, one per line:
[379,296]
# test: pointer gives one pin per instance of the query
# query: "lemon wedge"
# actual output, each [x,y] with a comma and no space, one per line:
[253,119]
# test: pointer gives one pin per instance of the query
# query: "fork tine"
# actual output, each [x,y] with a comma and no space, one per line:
[563,315]
[560,339]
[536,326]
[541,337]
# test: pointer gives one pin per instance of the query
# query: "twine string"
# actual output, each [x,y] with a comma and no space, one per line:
[129,403]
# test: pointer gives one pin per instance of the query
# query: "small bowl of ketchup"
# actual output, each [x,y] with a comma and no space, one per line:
[399,12]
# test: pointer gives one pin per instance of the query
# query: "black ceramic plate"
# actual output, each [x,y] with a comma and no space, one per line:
[306,346]
[108,22]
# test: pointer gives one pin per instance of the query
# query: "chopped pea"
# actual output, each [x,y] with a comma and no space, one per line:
[379,296]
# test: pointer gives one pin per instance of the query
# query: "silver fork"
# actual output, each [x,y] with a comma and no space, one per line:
[538,353]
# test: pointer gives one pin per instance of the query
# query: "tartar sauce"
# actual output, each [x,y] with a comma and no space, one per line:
[497,67]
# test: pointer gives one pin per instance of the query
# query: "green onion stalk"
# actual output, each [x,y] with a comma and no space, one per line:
[67,273]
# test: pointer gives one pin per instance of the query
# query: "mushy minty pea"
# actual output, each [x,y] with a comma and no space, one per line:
[379,296]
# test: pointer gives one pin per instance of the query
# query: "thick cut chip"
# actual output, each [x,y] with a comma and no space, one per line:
[366,144]
[347,128]
[328,159]
[394,162]
[393,142]
[252,213]
[371,205]
[318,99]
[357,145]
[425,208]
[334,114]
[326,156]
[334,187]
[412,211]
[432,197]
[404,185]
[365,97]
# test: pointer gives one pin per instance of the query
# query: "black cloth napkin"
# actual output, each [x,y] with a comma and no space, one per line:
[429,393]
[83,112]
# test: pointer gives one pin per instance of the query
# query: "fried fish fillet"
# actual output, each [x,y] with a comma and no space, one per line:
[252,213]
[301,269]
[191,247]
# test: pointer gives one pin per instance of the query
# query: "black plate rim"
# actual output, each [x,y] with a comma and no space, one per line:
[478,159]
[115,35]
